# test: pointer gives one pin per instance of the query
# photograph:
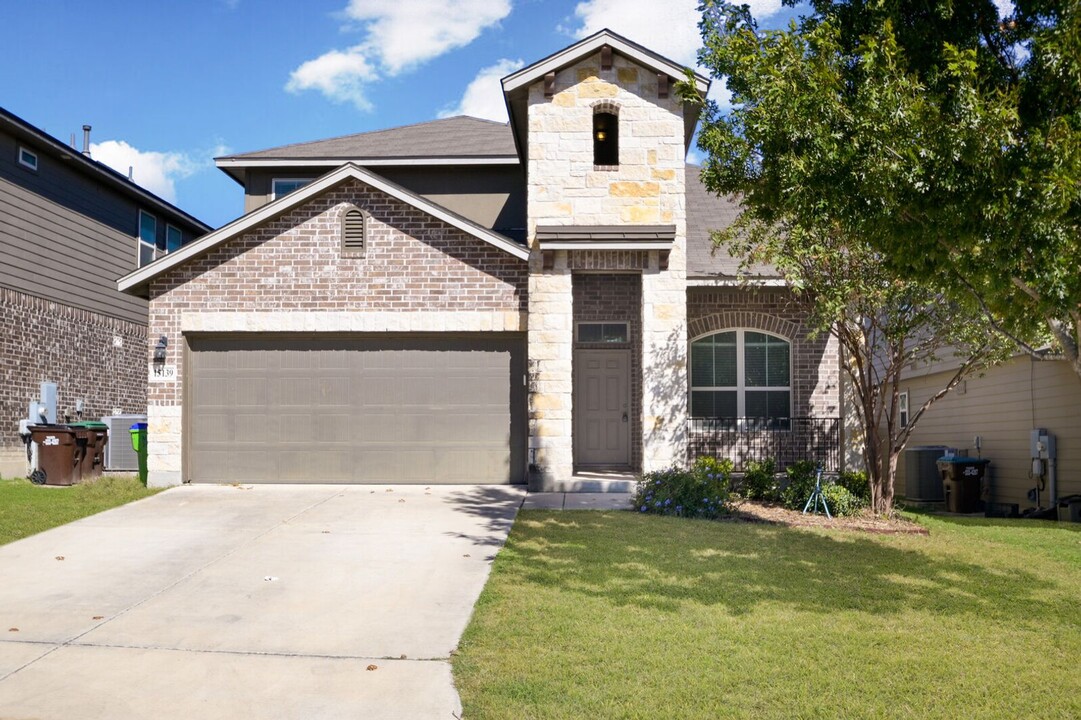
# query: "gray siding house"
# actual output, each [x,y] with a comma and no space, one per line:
[467,301]
[69,227]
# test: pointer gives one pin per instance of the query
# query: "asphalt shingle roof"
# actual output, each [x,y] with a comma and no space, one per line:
[454,137]
[707,212]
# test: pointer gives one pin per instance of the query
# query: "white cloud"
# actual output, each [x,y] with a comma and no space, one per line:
[483,98]
[155,171]
[402,34]
[341,76]
[399,35]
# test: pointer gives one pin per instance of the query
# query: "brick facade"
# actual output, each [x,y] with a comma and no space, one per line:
[94,358]
[814,362]
[292,267]
[616,298]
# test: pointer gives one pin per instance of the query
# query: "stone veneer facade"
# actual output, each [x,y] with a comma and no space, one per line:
[418,274]
[91,357]
[646,188]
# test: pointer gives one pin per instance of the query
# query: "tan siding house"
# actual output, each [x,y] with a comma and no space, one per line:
[1002,406]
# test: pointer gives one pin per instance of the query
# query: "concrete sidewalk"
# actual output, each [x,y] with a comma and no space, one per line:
[577,501]
[265,602]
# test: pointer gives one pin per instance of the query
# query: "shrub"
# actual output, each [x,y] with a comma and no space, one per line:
[701,492]
[840,500]
[760,481]
[801,483]
[856,482]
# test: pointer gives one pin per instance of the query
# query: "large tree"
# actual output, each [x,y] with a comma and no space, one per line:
[825,142]
[946,136]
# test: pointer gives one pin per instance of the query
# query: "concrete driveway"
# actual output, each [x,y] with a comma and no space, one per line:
[249,602]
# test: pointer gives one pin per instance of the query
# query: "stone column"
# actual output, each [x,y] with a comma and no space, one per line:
[551,344]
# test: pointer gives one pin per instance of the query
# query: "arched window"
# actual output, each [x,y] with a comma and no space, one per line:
[605,138]
[741,373]
[354,232]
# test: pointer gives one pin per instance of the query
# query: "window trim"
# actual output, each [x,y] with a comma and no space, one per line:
[741,386]
[140,242]
[903,413]
[28,165]
[274,195]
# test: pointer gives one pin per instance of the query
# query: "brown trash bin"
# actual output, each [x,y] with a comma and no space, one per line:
[97,436]
[60,454]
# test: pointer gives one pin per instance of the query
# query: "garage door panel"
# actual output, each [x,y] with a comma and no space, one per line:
[356,409]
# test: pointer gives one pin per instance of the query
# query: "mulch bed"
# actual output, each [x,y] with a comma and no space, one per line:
[759,512]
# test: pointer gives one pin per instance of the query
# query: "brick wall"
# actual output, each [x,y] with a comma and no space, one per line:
[94,358]
[413,265]
[815,362]
[616,298]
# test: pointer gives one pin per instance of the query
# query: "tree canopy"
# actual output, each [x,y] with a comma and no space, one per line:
[944,136]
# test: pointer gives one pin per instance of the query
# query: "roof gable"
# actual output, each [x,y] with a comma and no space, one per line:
[137,282]
[516,85]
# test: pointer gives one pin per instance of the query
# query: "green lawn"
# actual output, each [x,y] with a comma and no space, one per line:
[26,509]
[617,615]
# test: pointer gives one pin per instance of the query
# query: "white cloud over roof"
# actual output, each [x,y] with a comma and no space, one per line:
[152,170]
[399,36]
[483,97]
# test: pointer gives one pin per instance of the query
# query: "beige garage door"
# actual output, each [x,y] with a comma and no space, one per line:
[277,409]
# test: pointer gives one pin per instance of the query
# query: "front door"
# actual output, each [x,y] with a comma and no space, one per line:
[602,401]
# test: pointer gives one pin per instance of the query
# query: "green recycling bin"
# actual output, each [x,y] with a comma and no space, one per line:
[138,444]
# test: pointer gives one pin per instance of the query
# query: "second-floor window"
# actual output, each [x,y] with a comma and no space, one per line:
[148,238]
[173,238]
[284,186]
[605,138]
[28,158]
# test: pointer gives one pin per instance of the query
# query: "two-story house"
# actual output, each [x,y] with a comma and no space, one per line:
[466,301]
[69,227]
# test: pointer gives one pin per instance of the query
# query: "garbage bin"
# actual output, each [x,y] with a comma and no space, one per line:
[961,478]
[923,483]
[138,444]
[60,453]
[97,437]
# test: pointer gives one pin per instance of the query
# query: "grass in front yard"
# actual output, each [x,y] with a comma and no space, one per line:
[26,509]
[619,615]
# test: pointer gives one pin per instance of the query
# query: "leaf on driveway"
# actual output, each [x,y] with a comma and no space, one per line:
[402,500]
[13,629]
[59,557]
[372,667]
[98,617]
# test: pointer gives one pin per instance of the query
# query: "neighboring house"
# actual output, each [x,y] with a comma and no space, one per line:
[69,227]
[465,301]
[1001,406]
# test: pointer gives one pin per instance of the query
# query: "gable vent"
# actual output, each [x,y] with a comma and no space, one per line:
[353,232]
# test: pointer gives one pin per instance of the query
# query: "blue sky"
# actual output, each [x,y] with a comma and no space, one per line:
[168,85]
